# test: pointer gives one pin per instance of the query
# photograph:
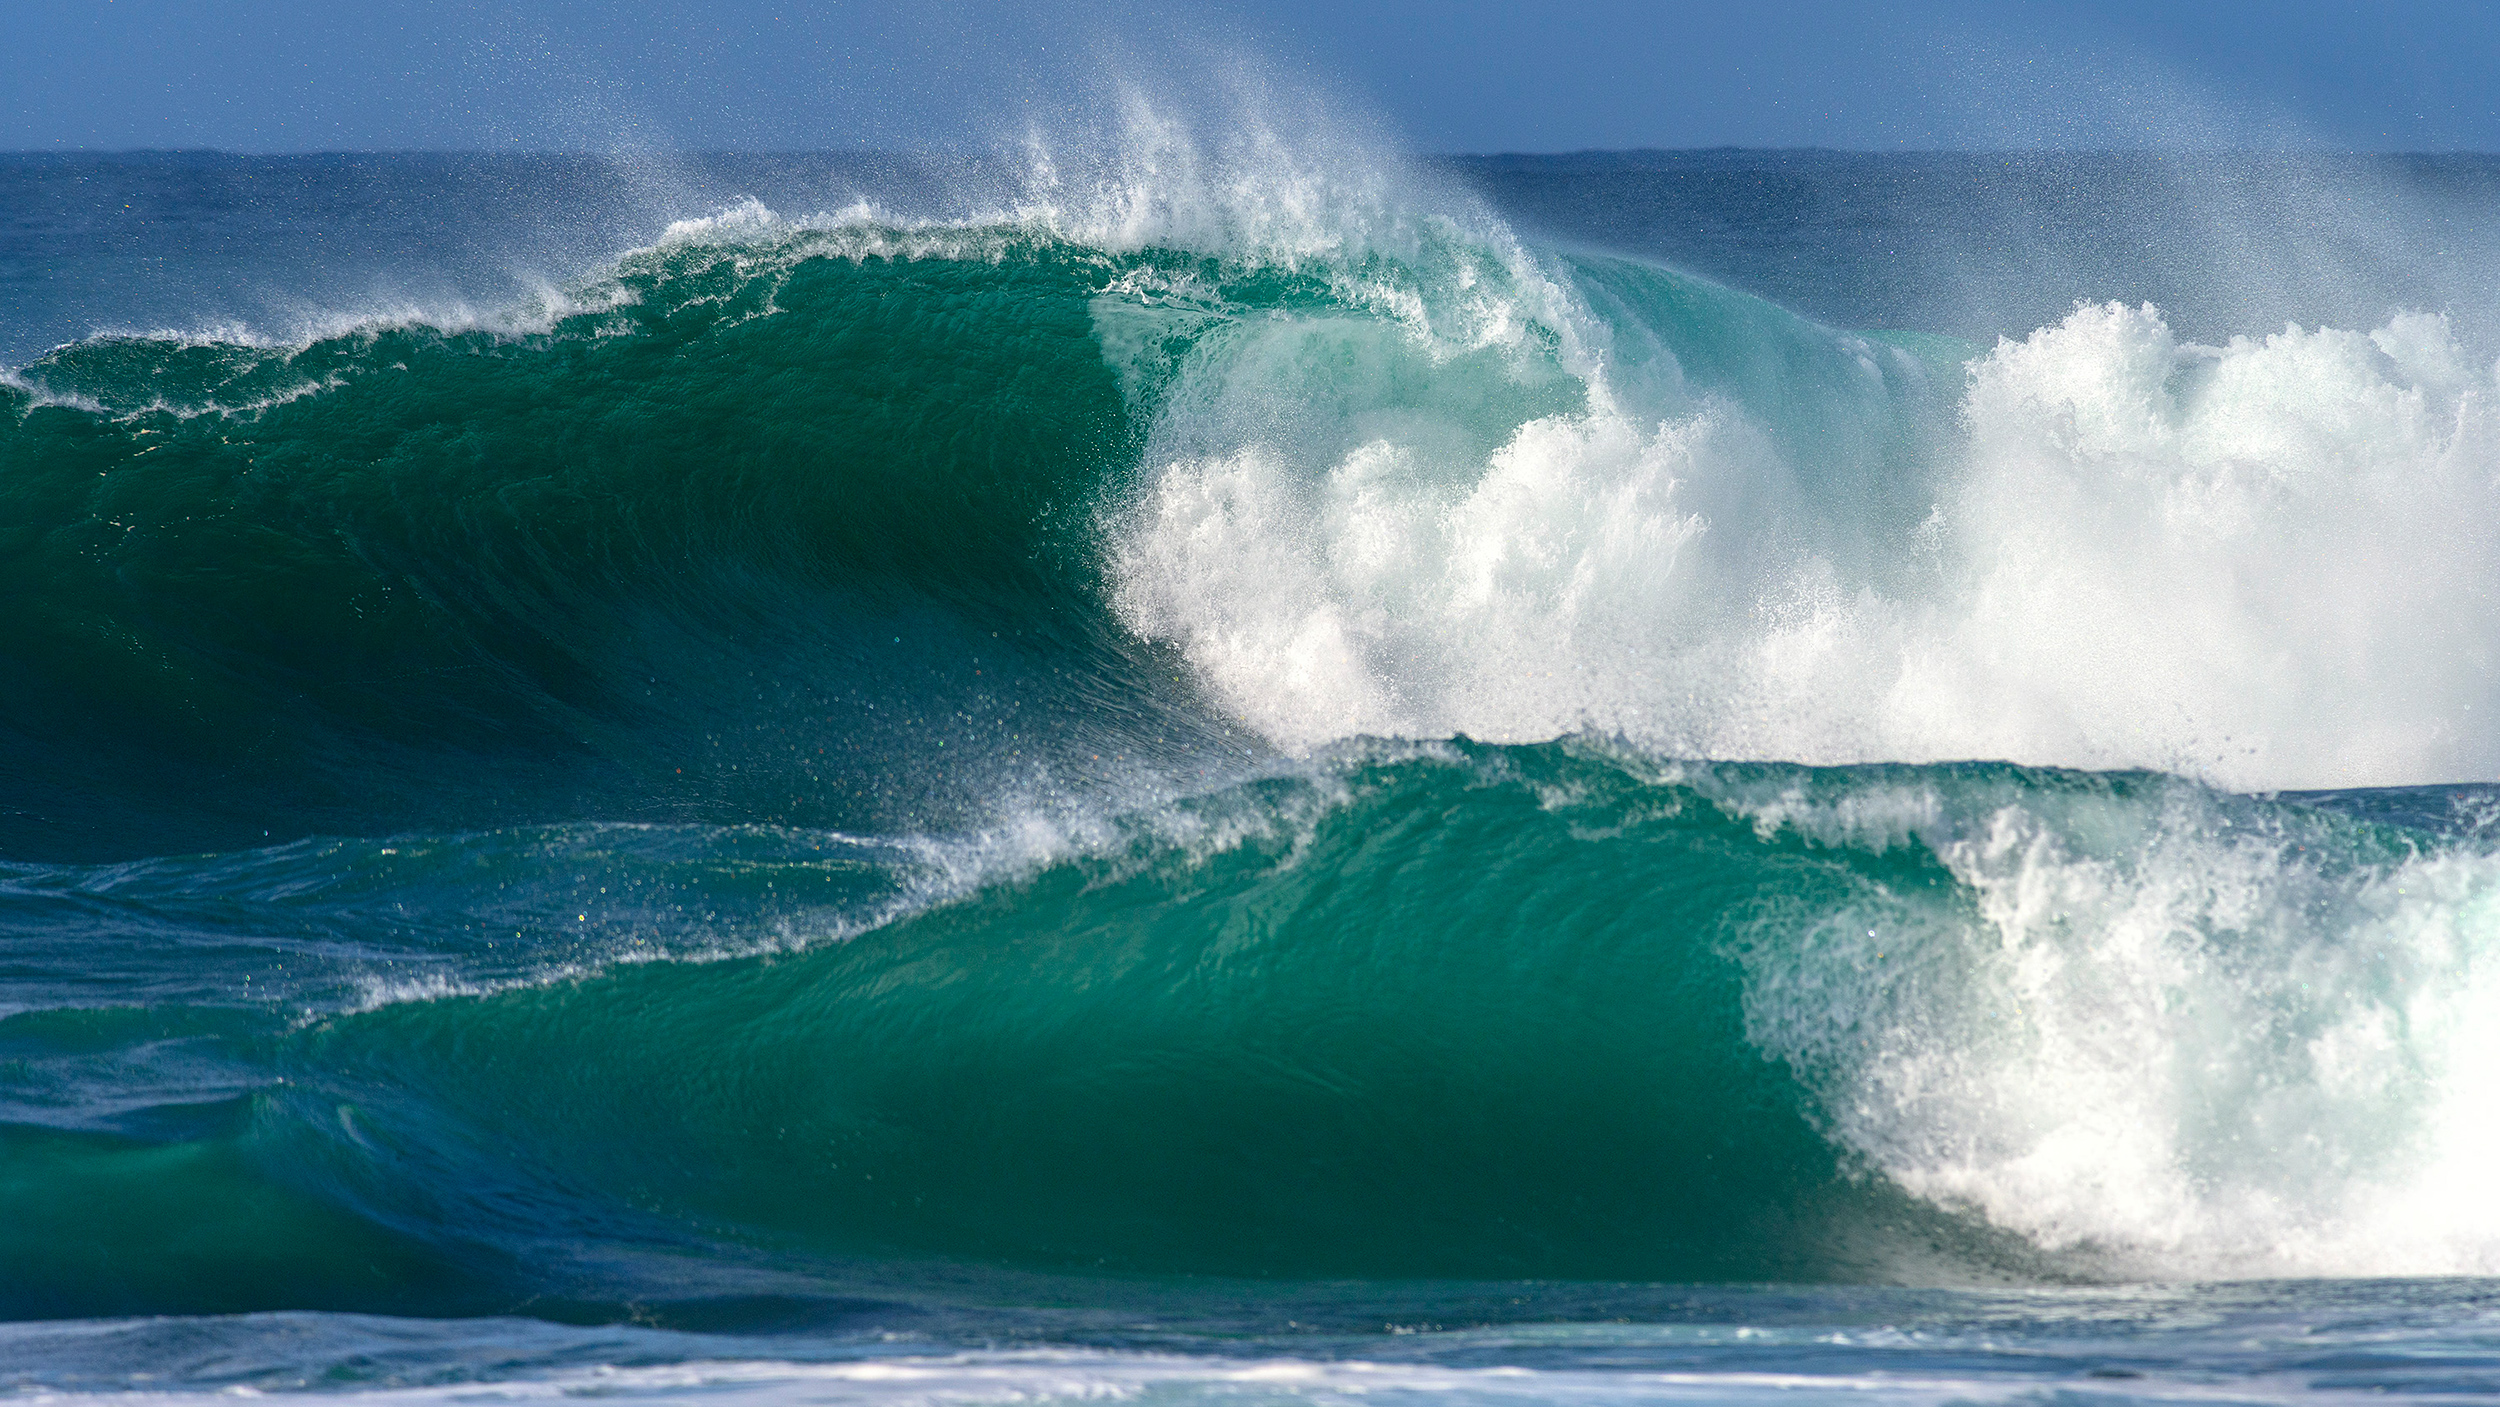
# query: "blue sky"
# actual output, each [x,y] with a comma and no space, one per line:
[1462,75]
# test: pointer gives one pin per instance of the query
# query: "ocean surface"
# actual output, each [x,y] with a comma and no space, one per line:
[1218,767]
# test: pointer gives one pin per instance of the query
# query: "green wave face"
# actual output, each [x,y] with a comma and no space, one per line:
[1457,1013]
[328,585]
[1425,1031]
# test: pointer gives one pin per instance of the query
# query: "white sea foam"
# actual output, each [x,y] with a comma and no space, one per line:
[2267,564]
[2151,1034]
[1077,1375]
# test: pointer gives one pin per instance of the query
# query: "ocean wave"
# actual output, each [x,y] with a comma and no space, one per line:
[1444,759]
[1557,1011]
[1408,479]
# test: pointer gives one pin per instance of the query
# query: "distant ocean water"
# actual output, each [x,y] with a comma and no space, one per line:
[1221,770]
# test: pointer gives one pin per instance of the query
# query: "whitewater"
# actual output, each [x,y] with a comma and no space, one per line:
[1227,765]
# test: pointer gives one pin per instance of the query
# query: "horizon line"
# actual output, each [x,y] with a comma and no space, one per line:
[944,154]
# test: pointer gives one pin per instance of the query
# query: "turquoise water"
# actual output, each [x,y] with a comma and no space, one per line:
[1225,777]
